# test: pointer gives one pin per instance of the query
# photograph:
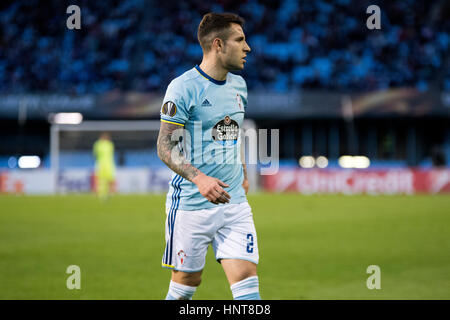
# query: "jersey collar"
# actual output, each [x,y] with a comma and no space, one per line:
[219,82]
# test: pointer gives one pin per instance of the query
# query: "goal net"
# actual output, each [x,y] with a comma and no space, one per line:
[138,168]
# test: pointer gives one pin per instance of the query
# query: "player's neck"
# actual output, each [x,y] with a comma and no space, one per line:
[213,69]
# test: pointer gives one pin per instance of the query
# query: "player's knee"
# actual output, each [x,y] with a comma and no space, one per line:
[193,281]
[189,279]
[244,274]
[238,270]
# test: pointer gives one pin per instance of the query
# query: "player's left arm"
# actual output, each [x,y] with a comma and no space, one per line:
[245,183]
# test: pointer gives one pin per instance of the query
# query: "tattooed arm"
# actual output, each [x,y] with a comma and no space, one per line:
[211,188]
[169,153]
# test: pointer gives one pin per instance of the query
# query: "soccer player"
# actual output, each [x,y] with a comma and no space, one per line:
[103,151]
[206,203]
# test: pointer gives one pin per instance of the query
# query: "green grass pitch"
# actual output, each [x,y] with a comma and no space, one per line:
[311,247]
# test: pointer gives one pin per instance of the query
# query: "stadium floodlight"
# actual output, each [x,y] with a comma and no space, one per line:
[359,162]
[346,161]
[322,162]
[306,162]
[29,162]
[66,118]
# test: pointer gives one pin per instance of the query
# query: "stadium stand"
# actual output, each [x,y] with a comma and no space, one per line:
[296,44]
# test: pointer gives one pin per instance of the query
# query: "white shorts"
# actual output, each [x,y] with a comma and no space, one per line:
[228,227]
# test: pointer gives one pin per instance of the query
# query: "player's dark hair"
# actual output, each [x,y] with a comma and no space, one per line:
[217,25]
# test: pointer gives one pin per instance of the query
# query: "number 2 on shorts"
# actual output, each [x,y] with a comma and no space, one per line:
[250,243]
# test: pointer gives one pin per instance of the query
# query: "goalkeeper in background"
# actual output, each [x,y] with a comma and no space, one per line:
[103,151]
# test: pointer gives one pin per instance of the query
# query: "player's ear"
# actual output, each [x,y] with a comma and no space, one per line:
[218,44]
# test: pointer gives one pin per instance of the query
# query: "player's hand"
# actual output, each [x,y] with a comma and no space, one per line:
[212,188]
[246,185]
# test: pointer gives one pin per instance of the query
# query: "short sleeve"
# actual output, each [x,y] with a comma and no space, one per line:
[174,108]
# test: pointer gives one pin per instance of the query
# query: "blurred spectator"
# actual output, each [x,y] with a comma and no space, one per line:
[143,44]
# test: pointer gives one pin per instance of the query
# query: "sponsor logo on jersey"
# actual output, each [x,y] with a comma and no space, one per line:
[226,131]
[169,109]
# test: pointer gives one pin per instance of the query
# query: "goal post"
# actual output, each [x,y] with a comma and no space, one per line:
[71,145]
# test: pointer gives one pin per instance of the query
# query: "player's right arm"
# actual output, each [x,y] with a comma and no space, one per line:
[209,187]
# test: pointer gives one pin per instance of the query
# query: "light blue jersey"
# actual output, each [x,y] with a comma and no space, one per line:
[212,113]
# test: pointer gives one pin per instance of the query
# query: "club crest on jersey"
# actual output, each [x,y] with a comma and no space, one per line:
[181,254]
[169,109]
[225,132]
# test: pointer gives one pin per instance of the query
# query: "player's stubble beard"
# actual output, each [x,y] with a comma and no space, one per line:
[229,64]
